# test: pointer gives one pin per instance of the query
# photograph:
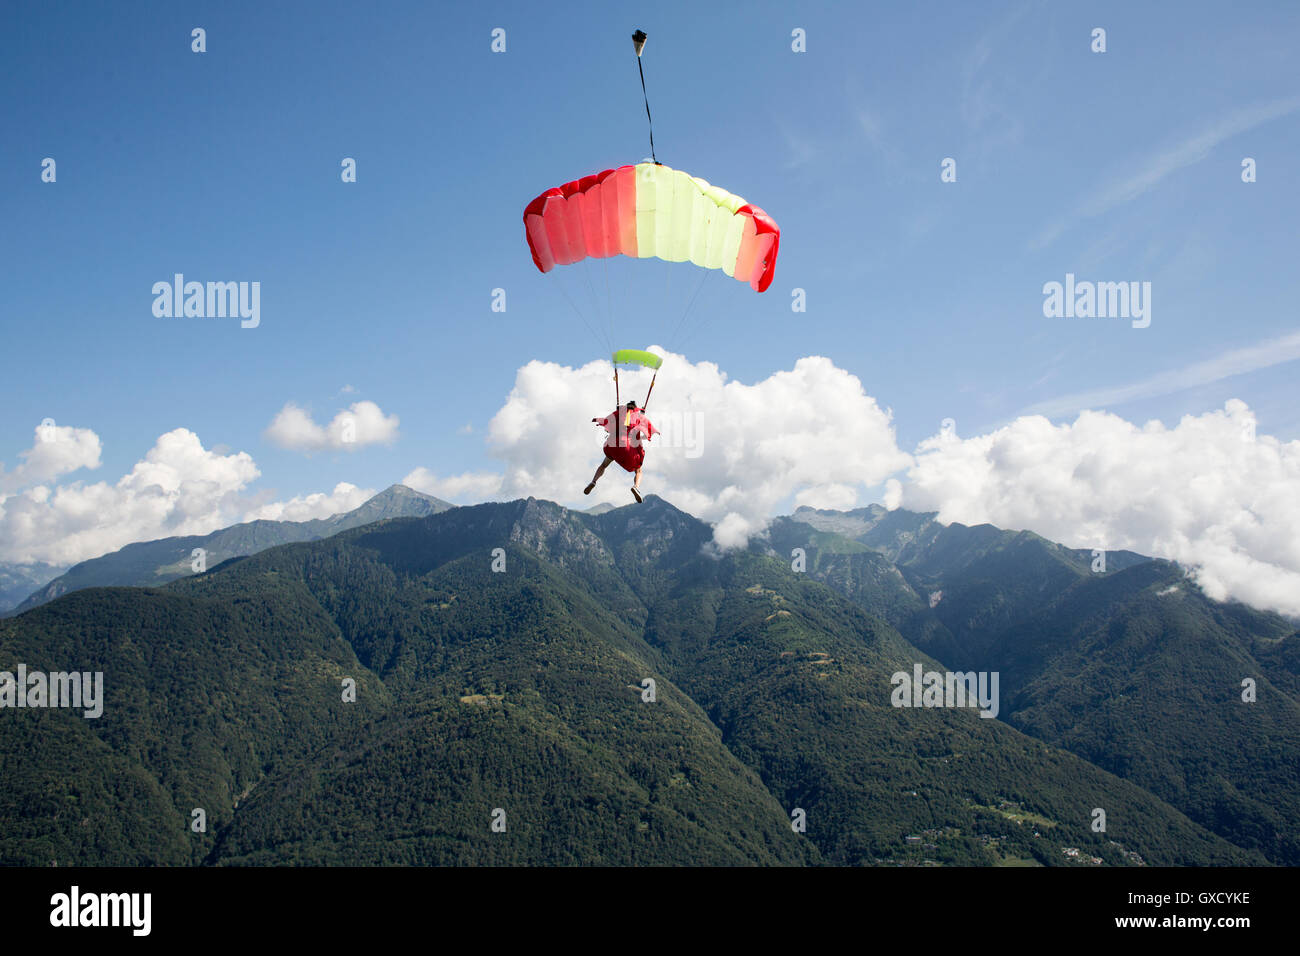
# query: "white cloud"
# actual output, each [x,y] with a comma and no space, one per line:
[345,497]
[833,497]
[730,452]
[364,423]
[473,485]
[1207,493]
[57,450]
[178,488]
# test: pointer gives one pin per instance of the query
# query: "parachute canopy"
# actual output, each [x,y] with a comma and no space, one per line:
[636,358]
[649,210]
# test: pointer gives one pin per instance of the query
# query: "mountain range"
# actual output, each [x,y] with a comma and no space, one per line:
[17,581]
[152,563]
[518,683]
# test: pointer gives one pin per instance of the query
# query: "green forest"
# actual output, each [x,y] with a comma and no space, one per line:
[520,684]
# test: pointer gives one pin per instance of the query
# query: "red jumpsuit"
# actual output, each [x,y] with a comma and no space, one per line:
[633,429]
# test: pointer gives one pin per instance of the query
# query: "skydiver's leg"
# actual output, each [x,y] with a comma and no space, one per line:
[636,486]
[596,477]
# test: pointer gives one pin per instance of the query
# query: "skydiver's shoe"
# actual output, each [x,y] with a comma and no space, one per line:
[636,494]
[587,490]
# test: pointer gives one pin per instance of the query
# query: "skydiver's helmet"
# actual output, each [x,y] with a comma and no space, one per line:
[631,405]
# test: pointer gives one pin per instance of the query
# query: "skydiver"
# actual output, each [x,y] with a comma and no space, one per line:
[625,444]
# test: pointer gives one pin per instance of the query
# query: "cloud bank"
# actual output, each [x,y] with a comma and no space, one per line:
[1208,493]
[178,488]
[730,453]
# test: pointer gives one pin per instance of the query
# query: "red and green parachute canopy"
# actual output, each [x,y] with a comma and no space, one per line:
[649,210]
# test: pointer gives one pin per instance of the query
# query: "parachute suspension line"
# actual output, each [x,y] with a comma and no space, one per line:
[595,305]
[609,299]
[638,40]
[672,338]
[577,311]
[696,328]
[667,292]
[668,284]
[646,403]
[709,315]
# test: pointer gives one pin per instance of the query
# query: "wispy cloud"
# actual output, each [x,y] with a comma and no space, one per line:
[1155,168]
[872,126]
[800,146]
[986,89]
[1248,359]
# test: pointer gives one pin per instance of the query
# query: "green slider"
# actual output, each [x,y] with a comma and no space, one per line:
[632,358]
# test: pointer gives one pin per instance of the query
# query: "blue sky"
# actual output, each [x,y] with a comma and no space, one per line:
[225,166]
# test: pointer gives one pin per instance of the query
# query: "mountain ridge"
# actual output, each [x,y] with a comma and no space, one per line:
[502,653]
[152,563]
